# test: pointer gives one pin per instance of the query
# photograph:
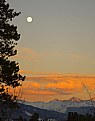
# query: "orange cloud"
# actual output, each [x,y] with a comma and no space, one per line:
[40,92]
[73,82]
[56,85]
[26,54]
[30,85]
[25,72]
[64,85]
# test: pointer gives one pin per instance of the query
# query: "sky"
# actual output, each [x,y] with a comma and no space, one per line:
[58,42]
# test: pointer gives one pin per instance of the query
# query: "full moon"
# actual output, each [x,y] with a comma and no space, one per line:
[29,19]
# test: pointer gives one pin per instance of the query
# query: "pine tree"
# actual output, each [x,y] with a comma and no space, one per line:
[34,117]
[9,70]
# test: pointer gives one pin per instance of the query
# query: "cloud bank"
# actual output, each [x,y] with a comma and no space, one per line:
[62,86]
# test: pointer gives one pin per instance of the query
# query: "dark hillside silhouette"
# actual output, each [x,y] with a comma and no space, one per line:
[74,116]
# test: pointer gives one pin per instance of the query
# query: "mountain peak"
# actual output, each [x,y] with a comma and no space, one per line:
[55,100]
[74,99]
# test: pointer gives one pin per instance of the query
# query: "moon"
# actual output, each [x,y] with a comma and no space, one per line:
[29,19]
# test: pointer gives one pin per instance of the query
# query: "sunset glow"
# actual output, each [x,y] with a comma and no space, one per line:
[62,86]
[56,52]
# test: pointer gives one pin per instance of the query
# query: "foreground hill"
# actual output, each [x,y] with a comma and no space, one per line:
[26,111]
[55,109]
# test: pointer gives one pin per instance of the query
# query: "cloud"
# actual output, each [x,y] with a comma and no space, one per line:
[25,72]
[31,85]
[40,92]
[30,54]
[26,54]
[56,85]
[70,85]
[73,82]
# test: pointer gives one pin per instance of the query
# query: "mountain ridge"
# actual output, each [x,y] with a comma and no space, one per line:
[61,105]
[75,99]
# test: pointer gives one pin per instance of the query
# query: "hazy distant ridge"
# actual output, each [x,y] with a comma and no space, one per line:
[62,105]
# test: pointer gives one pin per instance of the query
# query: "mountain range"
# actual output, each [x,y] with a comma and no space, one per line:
[27,110]
[62,105]
[56,109]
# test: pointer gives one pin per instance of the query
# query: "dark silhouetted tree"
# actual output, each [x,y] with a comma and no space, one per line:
[34,117]
[20,118]
[9,70]
[73,116]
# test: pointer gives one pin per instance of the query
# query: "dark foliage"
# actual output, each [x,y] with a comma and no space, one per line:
[8,33]
[34,117]
[73,116]
[9,70]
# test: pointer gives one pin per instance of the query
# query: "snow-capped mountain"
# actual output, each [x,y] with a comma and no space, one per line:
[55,109]
[75,99]
[62,105]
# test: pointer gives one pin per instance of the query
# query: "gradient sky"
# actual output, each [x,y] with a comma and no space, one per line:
[61,38]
